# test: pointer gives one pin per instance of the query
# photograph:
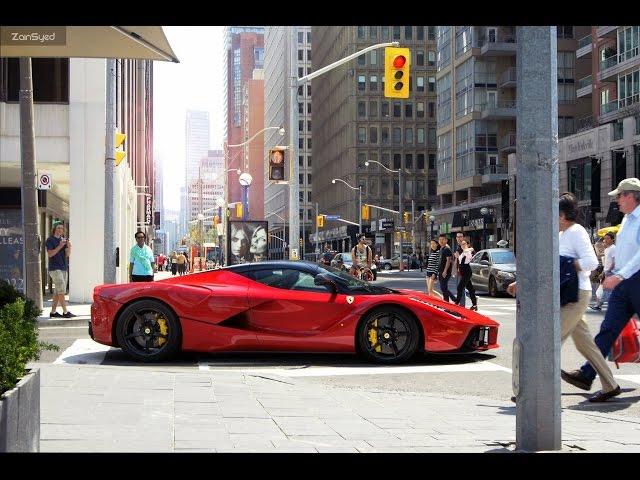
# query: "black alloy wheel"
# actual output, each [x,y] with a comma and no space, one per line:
[493,287]
[148,331]
[388,335]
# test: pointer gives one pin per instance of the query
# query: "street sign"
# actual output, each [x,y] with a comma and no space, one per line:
[332,217]
[387,224]
[44,181]
[401,229]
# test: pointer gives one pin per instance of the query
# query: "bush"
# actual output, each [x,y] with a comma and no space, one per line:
[18,335]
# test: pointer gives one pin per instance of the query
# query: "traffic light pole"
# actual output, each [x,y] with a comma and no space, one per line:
[294,187]
[317,249]
[109,267]
[400,210]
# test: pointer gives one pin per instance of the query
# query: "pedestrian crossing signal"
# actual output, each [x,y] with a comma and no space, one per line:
[320,221]
[366,213]
[118,142]
[239,210]
[276,164]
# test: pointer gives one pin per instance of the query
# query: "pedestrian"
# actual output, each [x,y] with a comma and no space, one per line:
[624,284]
[464,260]
[609,262]
[141,260]
[432,267]
[174,263]
[445,266]
[420,260]
[161,260]
[182,260]
[59,251]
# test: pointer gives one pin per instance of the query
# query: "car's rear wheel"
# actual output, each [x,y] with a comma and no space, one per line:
[387,266]
[388,335]
[148,331]
[493,287]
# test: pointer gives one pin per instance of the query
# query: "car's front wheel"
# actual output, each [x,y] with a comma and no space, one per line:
[493,287]
[388,335]
[148,331]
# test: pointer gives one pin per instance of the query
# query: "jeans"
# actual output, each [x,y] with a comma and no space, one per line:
[623,303]
[465,282]
[444,288]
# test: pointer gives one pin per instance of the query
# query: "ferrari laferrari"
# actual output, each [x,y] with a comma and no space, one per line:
[282,306]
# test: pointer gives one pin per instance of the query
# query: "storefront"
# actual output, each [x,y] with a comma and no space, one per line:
[338,239]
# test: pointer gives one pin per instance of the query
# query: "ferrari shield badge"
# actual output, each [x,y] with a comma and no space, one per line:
[349,299]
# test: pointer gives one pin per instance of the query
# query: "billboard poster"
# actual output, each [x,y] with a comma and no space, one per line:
[248,241]
[12,248]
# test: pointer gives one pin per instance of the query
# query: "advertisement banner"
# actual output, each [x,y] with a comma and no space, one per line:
[248,241]
[11,248]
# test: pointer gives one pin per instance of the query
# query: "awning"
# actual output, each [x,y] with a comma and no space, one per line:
[146,42]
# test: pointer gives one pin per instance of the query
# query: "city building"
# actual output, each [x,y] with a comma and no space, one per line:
[253,152]
[476,130]
[606,148]
[208,186]
[70,130]
[354,123]
[277,68]
[197,147]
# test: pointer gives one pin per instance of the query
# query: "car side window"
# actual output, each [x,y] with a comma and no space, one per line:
[305,282]
[476,258]
[287,279]
[485,256]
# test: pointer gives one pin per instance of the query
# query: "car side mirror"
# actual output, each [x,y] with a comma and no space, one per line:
[325,280]
[484,262]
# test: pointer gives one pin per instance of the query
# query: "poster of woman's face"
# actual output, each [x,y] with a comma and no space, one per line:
[248,242]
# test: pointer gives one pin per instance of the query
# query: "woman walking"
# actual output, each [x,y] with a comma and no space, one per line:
[432,268]
[465,275]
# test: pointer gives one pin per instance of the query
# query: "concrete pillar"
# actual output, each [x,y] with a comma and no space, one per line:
[536,353]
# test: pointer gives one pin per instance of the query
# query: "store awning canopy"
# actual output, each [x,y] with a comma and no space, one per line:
[137,42]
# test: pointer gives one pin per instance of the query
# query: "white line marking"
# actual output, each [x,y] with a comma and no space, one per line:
[629,378]
[342,371]
[84,352]
[60,328]
[203,366]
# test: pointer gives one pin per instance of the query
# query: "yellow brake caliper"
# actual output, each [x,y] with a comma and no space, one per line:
[164,330]
[373,336]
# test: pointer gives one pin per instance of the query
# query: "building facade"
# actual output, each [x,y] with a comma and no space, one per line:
[354,123]
[197,146]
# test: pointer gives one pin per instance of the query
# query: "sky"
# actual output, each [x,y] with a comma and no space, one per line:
[196,83]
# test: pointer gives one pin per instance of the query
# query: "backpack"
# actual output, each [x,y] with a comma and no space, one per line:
[626,348]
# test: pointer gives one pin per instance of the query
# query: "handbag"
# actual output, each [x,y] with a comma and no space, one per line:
[626,348]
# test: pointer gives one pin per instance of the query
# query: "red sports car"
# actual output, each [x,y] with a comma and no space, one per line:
[281,306]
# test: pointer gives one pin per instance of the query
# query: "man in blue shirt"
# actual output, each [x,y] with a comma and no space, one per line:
[624,283]
[58,251]
[141,260]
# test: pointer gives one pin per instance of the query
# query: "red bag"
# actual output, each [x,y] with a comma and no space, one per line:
[626,349]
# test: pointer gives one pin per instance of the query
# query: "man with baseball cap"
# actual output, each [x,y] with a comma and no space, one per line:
[624,283]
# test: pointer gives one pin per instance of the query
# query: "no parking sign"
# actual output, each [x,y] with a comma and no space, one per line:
[44,181]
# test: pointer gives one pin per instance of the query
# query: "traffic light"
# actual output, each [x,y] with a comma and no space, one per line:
[239,210]
[405,217]
[276,164]
[300,241]
[119,153]
[320,221]
[366,213]
[396,72]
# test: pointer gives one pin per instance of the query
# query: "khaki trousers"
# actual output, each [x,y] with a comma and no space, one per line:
[572,323]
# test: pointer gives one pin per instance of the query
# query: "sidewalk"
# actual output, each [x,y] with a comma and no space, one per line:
[88,408]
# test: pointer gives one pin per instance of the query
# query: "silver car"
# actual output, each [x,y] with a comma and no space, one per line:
[493,270]
[342,261]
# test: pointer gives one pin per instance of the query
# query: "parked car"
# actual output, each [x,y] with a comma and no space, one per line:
[342,261]
[393,262]
[326,257]
[493,270]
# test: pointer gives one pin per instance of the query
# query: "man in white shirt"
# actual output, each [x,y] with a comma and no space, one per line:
[609,256]
[624,283]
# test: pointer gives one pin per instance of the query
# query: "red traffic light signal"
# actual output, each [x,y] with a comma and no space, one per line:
[399,61]
[276,164]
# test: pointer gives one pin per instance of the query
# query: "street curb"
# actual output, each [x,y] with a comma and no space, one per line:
[58,322]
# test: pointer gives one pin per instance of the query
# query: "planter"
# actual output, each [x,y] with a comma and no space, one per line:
[20,416]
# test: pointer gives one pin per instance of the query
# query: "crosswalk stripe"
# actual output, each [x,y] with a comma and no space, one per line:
[84,352]
[629,378]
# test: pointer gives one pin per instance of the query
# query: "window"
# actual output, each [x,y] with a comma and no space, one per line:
[373,108]
[301,196]
[362,59]
[362,135]
[397,110]
[373,83]
[444,100]
[566,126]
[309,107]
[373,187]
[373,58]
[308,126]
[287,279]
[362,109]
[432,58]
[308,37]
[618,131]
[308,178]
[408,136]
[362,158]
[566,93]
[362,80]
[300,91]
[486,136]
[408,110]
[300,37]
[408,32]
[420,136]
[629,88]
[309,160]
[420,187]
[300,72]
[384,32]
[420,160]
[301,108]
[432,160]
[300,55]
[301,213]
[50,80]
[636,156]
[432,84]
[301,178]
[420,110]
[309,199]
[566,66]
[420,58]
[385,160]
[373,135]
[309,143]
[385,135]
[628,42]
[300,142]
[579,178]
[301,160]
[396,33]
[397,160]
[463,40]
[301,126]
[384,186]
[360,31]
[464,88]
[408,160]
[420,33]
[564,31]
[432,137]
[373,32]
[444,46]
[384,109]
[397,135]
[465,165]
[420,84]
[309,91]
[432,109]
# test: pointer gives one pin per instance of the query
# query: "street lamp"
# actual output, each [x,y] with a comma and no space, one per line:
[359,188]
[484,211]
[432,219]
[245,182]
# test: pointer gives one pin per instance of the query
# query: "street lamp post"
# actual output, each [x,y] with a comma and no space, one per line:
[432,219]
[359,188]
[484,212]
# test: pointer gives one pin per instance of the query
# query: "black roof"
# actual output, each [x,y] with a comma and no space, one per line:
[296,264]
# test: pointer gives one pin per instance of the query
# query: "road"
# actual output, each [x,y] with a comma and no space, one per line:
[482,375]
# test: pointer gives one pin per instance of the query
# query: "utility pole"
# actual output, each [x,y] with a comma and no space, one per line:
[413,225]
[317,250]
[400,210]
[294,187]
[536,352]
[29,199]
[109,267]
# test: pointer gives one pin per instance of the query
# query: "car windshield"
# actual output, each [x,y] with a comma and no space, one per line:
[352,284]
[503,257]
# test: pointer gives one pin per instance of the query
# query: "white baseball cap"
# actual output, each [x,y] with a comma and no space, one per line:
[626,185]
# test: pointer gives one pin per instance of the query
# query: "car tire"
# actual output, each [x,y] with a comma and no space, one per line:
[402,331]
[142,321]
[387,266]
[493,287]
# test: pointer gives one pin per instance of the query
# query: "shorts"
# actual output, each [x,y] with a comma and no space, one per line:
[59,278]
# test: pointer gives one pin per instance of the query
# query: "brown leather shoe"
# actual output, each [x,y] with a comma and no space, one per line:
[604,396]
[577,379]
